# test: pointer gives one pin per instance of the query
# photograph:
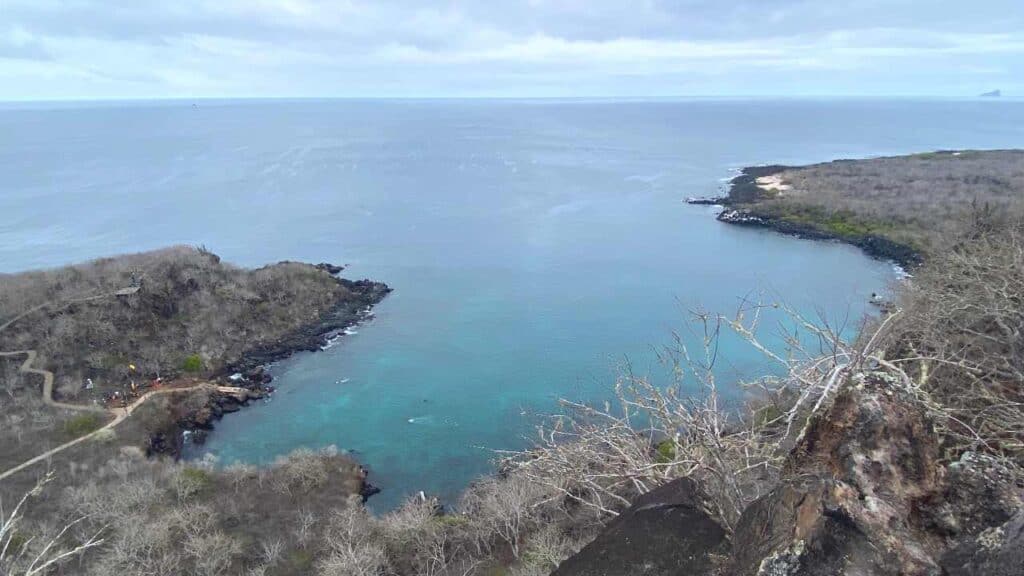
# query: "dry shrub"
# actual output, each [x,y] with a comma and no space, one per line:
[33,552]
[302,470]
[352,549]
[601,458]
[919,200]
[961,337]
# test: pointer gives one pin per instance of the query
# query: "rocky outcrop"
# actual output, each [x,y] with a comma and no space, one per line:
[667,531]
[874,246]
[314,336]
[865,491]
[850,504]
[997,551]
[706,201]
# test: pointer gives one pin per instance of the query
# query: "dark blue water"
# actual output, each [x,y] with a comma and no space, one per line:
[533,246]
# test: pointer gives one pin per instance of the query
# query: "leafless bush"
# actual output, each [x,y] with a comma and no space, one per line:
[961,339]
[504,508]
[603,457]
[352,550]
[212,552]
[23,553]
[921,199]
[303,469]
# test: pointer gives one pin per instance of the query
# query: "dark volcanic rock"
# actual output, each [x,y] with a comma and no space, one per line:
[859,476]
[803,529]
[980,492]
[667,531]
[997,551]
[313,336]
[704,201]
[159,444]
[331,269]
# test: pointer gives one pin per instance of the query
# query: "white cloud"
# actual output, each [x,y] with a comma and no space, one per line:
[512,47]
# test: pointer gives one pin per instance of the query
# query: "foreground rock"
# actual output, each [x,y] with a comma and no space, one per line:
[864,492]
[850,506]
[667,531]
[998,551]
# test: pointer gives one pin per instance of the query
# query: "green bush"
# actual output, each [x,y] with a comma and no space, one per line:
[197,475]
[451,520]
[301,560]
[193,364]
[15,544]
[191,482]
[82,424]
[666,452]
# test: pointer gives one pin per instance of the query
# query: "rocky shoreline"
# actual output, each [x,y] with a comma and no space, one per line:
[314,336]
[195,423]
[745,192]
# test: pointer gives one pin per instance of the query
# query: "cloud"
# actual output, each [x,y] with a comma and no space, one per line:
[122,48]
[18,44]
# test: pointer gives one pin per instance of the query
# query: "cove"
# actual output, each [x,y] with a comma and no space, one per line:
[534,246]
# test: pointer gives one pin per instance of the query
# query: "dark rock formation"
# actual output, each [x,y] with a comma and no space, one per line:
[864,491]
[667,531]
[332,269]
[979,493]
[997,551]
[851,506]
[705,201]
[314,336]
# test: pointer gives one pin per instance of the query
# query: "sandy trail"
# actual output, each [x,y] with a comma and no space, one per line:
[119,414]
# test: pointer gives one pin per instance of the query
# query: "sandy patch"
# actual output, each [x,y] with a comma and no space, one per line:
[773,183]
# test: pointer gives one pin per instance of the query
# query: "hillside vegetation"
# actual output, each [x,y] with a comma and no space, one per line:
[191,313]
[921,201]
[901,453]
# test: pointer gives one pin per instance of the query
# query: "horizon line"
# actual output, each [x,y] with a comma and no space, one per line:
[129,99]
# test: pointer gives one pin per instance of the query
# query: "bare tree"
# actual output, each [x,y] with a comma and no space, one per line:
[17,553]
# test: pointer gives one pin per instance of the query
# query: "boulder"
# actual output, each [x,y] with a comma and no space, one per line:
[666,532]
[851,504]
[997,551]
[980,492]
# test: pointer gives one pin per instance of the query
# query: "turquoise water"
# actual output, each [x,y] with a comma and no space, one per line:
[533,245]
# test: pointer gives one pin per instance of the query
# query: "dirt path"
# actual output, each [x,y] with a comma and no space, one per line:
[119,414]
[26,368]
[34,309]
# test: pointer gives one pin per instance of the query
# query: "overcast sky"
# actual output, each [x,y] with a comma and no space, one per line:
[103,49]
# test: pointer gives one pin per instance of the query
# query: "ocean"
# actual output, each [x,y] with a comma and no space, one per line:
[536,247]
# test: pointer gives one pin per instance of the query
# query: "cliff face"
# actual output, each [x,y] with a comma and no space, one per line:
[865,491]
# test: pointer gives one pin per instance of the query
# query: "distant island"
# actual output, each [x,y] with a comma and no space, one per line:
[992,94]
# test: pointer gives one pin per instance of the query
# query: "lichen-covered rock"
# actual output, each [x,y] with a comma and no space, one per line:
[979,492]
[997,551]
[666,532]
[850,504]
[803,529]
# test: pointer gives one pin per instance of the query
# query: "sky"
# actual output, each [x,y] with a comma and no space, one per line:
[128,49]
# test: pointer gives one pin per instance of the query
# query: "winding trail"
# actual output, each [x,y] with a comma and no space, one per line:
[119,414]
